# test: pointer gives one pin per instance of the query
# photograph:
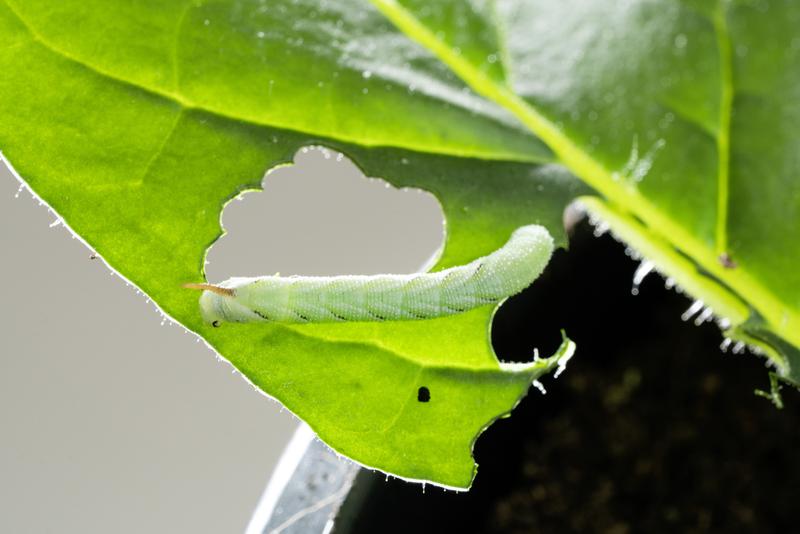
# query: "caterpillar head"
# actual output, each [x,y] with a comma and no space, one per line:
[215,302]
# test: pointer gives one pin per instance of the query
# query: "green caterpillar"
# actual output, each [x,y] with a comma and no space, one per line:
[384,297]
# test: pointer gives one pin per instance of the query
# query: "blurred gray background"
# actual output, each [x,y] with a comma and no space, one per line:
[111,422]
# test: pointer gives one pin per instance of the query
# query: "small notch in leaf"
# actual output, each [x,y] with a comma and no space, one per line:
[423,394]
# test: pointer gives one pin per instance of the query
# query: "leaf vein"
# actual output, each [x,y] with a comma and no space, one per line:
[502,44]
[182,100]
[723,134]
[625,197]
[391,424]
[175,43]
[160,150]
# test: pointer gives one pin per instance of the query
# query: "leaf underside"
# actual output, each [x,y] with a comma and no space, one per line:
[138,121]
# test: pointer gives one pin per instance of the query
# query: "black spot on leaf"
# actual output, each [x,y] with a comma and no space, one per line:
[423,394]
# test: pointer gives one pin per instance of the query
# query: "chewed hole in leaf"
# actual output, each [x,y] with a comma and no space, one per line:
[525,318]
[322,216]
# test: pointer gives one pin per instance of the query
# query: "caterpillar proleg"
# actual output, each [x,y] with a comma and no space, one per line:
[383,297]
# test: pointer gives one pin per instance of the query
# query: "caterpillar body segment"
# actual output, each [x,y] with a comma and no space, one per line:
[385,297]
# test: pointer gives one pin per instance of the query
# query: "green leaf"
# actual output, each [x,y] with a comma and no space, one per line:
[138,126]
[682,115]
[137,121]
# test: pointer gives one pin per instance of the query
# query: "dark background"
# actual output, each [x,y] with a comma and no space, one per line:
[652,428]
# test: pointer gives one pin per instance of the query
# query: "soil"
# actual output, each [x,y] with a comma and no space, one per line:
[652,428]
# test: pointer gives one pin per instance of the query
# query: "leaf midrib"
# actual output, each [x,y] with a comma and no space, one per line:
[179,99]
[724,131]
[785,321]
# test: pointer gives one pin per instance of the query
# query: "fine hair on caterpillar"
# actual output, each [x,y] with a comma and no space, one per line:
[382,297]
